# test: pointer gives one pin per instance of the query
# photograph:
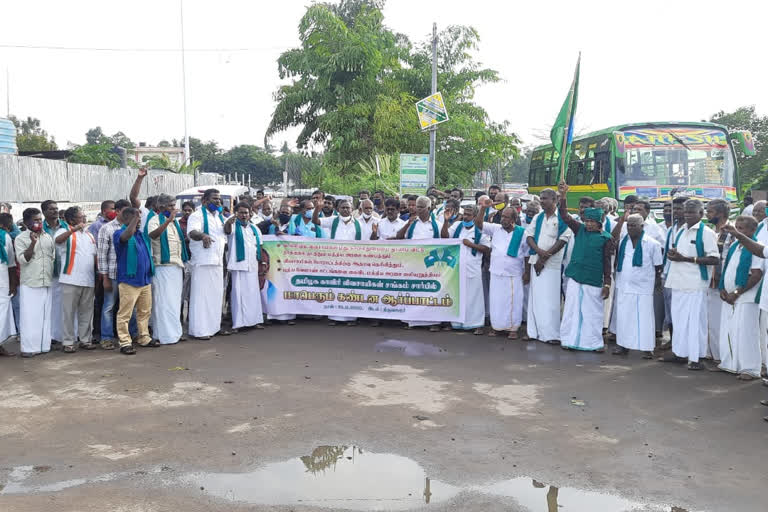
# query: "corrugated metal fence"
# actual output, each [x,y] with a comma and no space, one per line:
[26,179]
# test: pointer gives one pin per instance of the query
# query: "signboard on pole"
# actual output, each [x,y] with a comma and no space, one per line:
[431,111]
[414,171]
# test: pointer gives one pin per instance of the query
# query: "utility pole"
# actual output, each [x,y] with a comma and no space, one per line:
[8,93]
[433,130]
[187,156]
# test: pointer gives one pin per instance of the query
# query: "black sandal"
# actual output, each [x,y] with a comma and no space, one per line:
[128,350]
[153,344]
[69,349]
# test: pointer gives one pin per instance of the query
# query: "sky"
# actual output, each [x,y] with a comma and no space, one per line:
[652,61]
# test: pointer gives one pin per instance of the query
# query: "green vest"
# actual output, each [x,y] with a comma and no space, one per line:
[586,265]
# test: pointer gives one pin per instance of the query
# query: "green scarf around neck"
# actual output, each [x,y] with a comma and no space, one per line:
[132,254]
[637,257]
[240,241]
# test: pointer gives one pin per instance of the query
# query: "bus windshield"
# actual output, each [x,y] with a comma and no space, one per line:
[662,160]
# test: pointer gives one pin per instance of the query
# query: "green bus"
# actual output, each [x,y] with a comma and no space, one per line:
[655,160]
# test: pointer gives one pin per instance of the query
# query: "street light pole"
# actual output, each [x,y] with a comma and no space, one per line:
[433,130]
[187,159]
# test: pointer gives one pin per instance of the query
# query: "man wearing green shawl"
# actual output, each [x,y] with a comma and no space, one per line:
[244,241]
[638,274]
[590,278]
[692,256]
[9,283]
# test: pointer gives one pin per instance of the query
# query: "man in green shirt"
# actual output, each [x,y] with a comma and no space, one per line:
[589,271]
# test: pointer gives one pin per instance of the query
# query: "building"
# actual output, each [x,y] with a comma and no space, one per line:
[142,153]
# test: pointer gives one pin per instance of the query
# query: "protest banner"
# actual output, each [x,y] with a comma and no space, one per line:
[387,279]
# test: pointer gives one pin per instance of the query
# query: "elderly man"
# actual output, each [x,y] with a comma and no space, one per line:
[590,275]
[243,265]
[584,203]
[9,283]
[474,245]
[758,212]
[35,254]
[77,249]
[740,321]
[693,252]
[169,252]
[546,235]
[391,223]
[207,241]
[638,273]
[368,219]
[422,225]
[301,224]
[717,212]
[509,255]
[342,227]
[499,203]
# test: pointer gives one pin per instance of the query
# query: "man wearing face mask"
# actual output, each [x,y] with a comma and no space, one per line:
[454,207]
[301,224]
[499,203]
[52,223]
[717,212]
[35,254]
[388,227]
[169,253]
[342,227]
[378,203]
[475,244]
[368,220]
[243,265]
[207,241]
[531,210]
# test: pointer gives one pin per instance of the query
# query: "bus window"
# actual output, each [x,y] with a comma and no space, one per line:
[578,151]
[602,166]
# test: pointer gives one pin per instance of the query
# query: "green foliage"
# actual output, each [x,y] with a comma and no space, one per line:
[96,136]
[752,169]
[262,167]
[516,171]
[95,154]
[354,85]
[30,136]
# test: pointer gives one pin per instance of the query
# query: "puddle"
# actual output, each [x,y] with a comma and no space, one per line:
[412,348]
[349,478]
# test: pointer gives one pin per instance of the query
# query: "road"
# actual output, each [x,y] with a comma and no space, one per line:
[313,417]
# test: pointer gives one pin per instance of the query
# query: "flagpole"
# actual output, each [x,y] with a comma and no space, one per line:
[568,124]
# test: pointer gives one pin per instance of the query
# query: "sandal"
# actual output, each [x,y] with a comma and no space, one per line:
[478,332]
[671,358]
[492,333]
[512,335]
[434,328]
[224,332]
[291,322]
[764,402]
[69,349]
[152,343]
[88,346]
[4,352]
[694,366]
[107,345]
[258,326]
[128,350]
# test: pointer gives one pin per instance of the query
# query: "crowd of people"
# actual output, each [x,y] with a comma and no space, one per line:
[537,272]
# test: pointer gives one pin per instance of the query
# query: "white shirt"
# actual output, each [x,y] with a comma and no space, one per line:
[214,254]
[729,278]
[466,252]
[652,229]
[423,230]
[84,269]
[144,214]
[5,285]
[684,275]
[501,263]
[388,229]
[639,280]
[669,235]
[748,209]
[345,231]
[366,226]
[762,237]
[547,239]
[251,261]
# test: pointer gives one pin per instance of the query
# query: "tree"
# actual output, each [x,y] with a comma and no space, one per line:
[96,154]
[199,151]
[247,160]
[355,82]
[751,168]
[30,136]
[163,144]
[95,136]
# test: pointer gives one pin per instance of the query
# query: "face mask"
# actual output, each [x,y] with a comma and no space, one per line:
[377,202]
[213,208]
[268,217]
[243,222]
[307,215]
[500,206]
[766,210]
[345,219]
[454,217]
[468,224]
[529,218]
[404,216]
[715,220]
[110,215]
[36,227]
[668,217]
[166,214]
[367,216]
[284,218]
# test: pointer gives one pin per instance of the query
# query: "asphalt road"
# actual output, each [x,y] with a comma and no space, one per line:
[315,418]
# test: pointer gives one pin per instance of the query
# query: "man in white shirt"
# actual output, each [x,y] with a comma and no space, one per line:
[367,218]
[509,256]
[717,211]
[205,229]
[77,253]
[243,265]
[693,254]
[391,223]
[638,273]
[9,283]
[546,235]
[475,244]
[341,227]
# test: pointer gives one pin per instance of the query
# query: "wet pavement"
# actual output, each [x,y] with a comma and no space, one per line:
[318,418]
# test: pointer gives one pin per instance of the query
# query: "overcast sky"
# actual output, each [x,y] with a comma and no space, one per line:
[654,61]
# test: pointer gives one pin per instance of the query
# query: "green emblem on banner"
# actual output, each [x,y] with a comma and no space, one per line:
[436,256]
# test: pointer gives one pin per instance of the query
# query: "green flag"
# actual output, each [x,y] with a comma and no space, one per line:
[562,131]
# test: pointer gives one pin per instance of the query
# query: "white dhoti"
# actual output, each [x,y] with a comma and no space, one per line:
[205,300]
[35,324]
[507,299]
[689,318]
[582,325]
[244,302]
[526,291]
[609,306]
[634,329]
[544,305]
[167,285]
[475,302]
[764,336]
[7,323]
[739,346]
[56,333]
[714,310]
[342,318]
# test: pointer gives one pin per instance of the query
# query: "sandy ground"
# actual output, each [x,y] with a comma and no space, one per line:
[315,418]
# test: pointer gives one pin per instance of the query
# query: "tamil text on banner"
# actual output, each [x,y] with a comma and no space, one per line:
[399,280]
